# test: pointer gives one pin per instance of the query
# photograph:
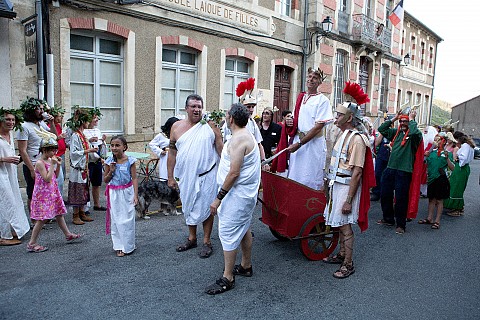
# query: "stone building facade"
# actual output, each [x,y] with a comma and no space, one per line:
[138,60]
[417,78]
[468,116]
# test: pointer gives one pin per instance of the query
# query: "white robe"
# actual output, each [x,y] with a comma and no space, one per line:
[122,227]
[236,210]
[156,145]
[307,163]
[196,154]
[12,214]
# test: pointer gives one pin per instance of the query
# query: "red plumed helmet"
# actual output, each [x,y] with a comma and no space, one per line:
[356,92]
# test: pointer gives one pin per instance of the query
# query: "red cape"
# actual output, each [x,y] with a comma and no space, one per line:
[291,131]
[279,164]
[414,191]
[368,181]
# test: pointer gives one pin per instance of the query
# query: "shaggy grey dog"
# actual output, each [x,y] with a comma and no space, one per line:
[156,190]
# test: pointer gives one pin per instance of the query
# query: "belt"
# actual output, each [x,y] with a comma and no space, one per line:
[202,174]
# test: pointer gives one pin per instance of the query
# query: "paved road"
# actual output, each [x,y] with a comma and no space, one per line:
[423,274]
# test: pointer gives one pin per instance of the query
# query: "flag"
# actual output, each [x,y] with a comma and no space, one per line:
[397,14]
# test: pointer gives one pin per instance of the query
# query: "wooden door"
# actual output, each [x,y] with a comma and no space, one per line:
[281,94]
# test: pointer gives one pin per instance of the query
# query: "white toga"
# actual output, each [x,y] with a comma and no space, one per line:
[307,163]
[236,210]
[196,155]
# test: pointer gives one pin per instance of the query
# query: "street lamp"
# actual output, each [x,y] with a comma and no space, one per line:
[406,59]
[317,33]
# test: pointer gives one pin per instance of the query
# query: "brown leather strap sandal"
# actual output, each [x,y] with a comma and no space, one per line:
[220,286]
[187,245]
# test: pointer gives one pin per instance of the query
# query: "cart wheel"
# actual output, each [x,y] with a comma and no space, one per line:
[320,246]
[278,235]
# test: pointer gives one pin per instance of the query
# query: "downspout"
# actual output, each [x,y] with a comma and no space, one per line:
[433,84]
[304,45]
[40,71]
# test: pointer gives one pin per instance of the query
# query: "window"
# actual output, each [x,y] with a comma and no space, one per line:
[179,80]
[388,12]
[341,75]
[285,7]
[343,5]
[384,82]
[96,77]
[408,99]
[236,71]
[368,10]
[422,58]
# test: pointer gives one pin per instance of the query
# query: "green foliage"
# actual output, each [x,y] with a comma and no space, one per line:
[439,116]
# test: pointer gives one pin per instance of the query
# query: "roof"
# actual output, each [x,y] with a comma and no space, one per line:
[6,9]
[439,39]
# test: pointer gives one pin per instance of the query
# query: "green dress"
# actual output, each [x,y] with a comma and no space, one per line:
[458,184]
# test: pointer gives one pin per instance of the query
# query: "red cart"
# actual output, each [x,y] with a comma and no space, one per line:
[295,212]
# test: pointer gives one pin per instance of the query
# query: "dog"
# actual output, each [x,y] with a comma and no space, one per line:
[156,190]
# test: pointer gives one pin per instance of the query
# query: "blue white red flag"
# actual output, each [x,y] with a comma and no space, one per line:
[397,14]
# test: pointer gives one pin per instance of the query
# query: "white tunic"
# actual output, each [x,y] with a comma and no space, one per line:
[12,214]
[236,210]
[196,155]
[308,162]
[156,145]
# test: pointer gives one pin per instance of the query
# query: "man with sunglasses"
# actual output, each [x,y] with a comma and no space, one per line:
[397,176]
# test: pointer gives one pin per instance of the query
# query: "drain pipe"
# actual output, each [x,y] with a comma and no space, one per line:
[40,71]
[304,46]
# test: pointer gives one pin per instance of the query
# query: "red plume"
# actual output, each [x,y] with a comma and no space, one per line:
[250,83]
[356,92]
[241,88]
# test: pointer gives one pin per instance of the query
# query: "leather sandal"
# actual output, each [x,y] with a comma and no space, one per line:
[187,245]
[424,221]
[220,286]
[345,271]
[239,270]
[336,259]
[207,250]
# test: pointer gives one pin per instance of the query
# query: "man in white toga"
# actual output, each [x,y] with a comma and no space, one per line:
[238,180]
[192,158]
[308,148]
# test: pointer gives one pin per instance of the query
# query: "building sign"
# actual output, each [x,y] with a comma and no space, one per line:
[263,100]
[225,12]
[31,43]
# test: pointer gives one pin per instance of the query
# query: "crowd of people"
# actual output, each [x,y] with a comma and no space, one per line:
[217,168]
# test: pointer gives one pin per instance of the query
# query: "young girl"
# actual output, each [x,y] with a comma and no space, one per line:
[438,160]
[122,196]
[47,202]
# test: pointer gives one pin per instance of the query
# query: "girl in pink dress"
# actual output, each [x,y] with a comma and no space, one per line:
[47,202]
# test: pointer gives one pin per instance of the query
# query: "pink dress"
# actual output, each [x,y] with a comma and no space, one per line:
[47,202]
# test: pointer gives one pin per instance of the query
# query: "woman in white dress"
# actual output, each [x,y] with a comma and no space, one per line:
[159,146]
[10,196]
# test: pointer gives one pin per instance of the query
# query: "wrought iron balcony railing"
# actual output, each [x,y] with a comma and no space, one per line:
[371,32]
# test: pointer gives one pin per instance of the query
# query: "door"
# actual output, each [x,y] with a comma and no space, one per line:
[281,94]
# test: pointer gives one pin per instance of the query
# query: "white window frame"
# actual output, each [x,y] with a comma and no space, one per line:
[340,78]
[384,84]
[286,7]
[98,57]
[237,78]
[179,106]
